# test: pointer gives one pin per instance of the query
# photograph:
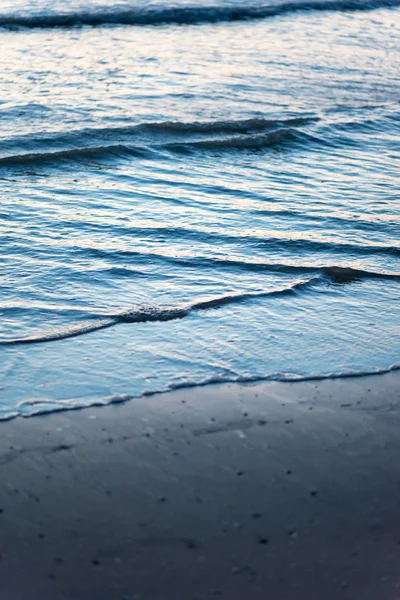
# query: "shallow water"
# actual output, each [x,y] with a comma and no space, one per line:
[192,194]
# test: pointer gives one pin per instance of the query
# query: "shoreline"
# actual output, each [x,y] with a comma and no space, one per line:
[59,406]
[264,490]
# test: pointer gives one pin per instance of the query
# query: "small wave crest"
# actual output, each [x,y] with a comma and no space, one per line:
[348,274]
[75,153]
[143,139]
[279,138]
[183,15]
[220,301]
[61,333]
[148,314]
[152,314]
[229,126]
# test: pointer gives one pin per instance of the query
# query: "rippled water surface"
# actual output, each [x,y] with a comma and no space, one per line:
[195,192]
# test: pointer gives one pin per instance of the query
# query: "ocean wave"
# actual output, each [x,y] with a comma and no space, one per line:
[349,274]
[220,301]
[148,314]
[68,331]
[335,274]
[276,245]
[148,139]
[142,139]
[73,153]
[332,274]
[164,128]
[274,139]
[279,138]
[229,126]
[184,15]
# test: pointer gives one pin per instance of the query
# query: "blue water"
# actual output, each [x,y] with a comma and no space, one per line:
[194,192]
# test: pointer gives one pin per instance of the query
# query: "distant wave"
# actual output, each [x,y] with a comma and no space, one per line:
[236,126]
[145,138]
[147,314]
[73,153]
[278,138]
[332,273]
[274,244]
[184,15]
[348,274]
[149,138]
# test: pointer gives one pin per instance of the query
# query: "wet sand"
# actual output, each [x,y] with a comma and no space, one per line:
[268,491]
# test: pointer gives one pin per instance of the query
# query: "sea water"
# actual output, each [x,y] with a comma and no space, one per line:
[193,192]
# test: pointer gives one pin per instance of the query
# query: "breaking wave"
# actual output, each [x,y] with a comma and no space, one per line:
[145,314]
[151,314]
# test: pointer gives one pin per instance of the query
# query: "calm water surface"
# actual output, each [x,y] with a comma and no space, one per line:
[195,192]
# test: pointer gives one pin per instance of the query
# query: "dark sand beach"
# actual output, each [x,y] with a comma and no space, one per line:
[280,491]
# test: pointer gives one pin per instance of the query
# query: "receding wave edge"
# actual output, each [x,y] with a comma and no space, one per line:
[29,408]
